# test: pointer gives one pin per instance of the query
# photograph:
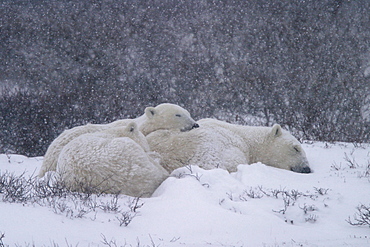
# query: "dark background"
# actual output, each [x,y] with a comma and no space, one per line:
[303,64]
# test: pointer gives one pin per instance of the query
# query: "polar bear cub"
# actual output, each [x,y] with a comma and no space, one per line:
[116,160]
[164,116]
[217,144]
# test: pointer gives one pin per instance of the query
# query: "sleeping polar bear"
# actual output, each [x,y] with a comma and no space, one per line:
[116,160]
[165,116]
[217,144]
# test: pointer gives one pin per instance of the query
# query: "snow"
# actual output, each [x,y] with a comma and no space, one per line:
[196,207]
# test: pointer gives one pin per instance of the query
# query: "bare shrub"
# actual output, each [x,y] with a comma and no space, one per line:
[361,217]
[253,193]
[52,192]
[321,191]
[2,235]
[308,208]
[15,188]
[125,218]
[351,161]
[111,206]
[312,218]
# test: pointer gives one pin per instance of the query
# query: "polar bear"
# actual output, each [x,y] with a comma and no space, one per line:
[164,116]
[217,144]
[115,160]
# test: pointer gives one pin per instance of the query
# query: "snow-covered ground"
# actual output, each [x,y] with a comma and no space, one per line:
[256,206]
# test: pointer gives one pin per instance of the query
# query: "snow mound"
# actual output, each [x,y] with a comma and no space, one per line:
[257,205]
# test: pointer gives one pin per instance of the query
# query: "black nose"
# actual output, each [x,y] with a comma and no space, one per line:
[304,169]
[195,126]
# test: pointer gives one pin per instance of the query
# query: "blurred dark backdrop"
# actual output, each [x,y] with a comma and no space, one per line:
[303,64]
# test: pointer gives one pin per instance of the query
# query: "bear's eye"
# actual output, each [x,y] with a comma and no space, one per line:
[296,149]
[178,115]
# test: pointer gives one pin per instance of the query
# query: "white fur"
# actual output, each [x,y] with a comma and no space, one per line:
[111,161]
[164,116]
[167,117]
[217,144]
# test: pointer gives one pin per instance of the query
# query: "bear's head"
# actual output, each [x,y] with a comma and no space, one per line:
[283,150]
[131,131]
[167,117]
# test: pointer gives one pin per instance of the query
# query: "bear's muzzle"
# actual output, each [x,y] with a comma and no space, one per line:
[302,169]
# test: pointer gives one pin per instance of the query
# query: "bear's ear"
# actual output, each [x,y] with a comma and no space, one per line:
[131,127]
[150,111]
[276,131]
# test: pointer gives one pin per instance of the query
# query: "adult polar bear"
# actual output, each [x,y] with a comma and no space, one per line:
[115,160]
[162,117]
[217,144]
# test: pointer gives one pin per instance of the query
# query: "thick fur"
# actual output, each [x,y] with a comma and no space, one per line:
[167,117]
[217,144]
[111,161]
[162,117]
